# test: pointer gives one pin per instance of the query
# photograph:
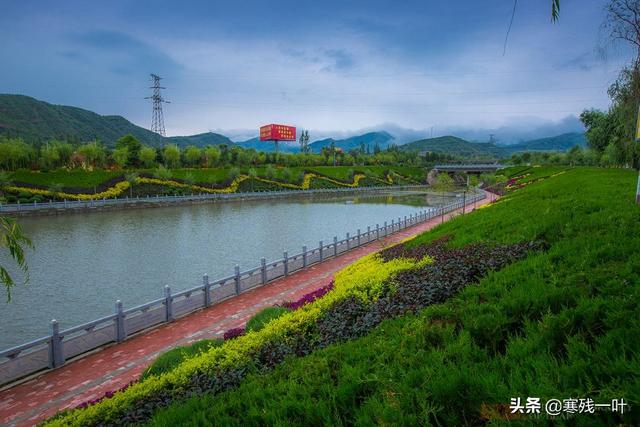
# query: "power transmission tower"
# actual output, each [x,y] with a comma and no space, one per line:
[157,122]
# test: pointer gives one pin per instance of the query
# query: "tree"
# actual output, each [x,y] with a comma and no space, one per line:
[49,156]
[192,155]
[65,151]
[211,156]
[132,146]
[15,153]
[14,240]
[598,128]
[120,156]
[161,172]
[93,153]
[623,22]
[171,155]
[132,179]
[147,156]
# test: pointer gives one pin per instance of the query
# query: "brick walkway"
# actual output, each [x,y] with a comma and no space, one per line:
[114,366]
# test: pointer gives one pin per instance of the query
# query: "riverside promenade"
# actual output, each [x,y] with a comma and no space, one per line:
[114,366]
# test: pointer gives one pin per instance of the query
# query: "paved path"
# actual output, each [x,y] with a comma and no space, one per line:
[114,366]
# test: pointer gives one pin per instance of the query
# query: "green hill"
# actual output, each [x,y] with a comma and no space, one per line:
[38,121]
[382,139]
[201,139]
[455,146]
[554,143]
[35,120]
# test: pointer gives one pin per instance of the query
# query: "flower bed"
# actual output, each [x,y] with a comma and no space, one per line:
[120,187]
[363,294]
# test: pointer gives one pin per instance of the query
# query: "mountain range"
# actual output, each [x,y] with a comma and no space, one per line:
[39,121]
[463,148]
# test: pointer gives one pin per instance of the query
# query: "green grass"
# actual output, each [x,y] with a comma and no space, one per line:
[559,324]
[171,359]
[259,320]
[77,178]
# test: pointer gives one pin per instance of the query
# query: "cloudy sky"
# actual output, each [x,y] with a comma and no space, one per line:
[329,66]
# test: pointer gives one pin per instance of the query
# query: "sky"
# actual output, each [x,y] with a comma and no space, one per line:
[334,67]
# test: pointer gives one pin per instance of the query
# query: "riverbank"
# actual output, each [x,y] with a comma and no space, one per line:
[109,369]
[100,205]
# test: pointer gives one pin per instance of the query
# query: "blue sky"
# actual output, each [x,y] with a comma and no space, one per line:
[331,66]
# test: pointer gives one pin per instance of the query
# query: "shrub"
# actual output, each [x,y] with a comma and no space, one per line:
[308,298]
[161,172]
[259,320]
[233,333]
[233,174]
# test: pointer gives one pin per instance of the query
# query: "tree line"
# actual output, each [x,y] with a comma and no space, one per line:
[130,153]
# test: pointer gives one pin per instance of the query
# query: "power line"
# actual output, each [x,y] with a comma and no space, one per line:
[157,121]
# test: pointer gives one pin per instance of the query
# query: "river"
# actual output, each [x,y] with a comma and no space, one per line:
[83,263]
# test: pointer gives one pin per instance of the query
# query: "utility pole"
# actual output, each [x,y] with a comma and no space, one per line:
[157,121]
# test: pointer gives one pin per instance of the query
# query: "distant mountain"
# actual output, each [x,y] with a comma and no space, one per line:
[35,120]
[200,140]
[455,146]
[382,139]
[554,143]
[269,146]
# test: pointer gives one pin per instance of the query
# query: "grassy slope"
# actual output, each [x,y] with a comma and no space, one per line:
[559,324]
[36,120]
[88,179]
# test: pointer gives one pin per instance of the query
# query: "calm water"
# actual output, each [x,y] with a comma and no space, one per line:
[83,263]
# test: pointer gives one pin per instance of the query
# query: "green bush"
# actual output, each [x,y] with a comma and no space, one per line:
[168,361]
[258,321]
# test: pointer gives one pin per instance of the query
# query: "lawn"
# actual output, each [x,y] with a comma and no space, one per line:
[76,178]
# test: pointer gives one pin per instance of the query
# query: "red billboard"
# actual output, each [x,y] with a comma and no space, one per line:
[274,132]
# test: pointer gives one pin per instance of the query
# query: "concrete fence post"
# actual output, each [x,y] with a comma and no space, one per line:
[385,228]
[286,263]
[168,302]
[348,243]
[377,231]
[405,221]
[56,351]
[393,224]
[121,334]
[237,278]
[321,245]
[263,270]
[399,223]
[304,256]
[206,287]
[335,246]
[358,237]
